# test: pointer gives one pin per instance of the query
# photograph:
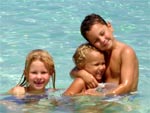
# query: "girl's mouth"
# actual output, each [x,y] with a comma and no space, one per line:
[38,83]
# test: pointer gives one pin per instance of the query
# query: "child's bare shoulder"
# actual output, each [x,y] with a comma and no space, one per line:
[127,50]
[17,90]
[80,81]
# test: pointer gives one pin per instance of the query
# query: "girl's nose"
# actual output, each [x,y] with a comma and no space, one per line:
[101,39]
[39,75]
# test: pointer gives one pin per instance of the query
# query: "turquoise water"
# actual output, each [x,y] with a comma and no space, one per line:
[53,25]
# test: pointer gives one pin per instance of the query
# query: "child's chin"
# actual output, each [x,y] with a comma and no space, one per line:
[98,78]
[39,87]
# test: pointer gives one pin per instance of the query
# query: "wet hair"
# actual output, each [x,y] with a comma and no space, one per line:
[43,56]
[80,54]
[89,21]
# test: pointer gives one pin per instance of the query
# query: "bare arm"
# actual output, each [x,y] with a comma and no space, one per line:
[129,73]
[87,77]
[76,87]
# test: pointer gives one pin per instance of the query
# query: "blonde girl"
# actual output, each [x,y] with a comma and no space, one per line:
[90,59]
[39,68]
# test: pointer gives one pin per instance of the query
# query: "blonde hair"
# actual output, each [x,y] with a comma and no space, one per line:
[79,56]
[43,56]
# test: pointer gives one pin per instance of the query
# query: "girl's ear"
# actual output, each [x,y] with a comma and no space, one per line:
[110,26]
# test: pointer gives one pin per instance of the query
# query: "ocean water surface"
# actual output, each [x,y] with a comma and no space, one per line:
[54,25]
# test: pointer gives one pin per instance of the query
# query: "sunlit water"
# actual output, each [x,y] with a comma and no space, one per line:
[53,25]
[56,103]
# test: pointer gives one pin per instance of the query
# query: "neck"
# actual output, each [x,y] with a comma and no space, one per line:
[34,91]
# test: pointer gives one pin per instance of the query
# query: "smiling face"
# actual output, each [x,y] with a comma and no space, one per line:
[90,59]
[101,36]
[95,64]
[38,77]
[39,67]
[98,32]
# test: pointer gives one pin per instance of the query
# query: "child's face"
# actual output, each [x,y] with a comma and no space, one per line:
[38,76]
[95,64]
[101,36]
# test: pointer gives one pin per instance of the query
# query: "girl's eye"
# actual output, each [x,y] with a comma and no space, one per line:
[102,33]
[96,64]
[44,72]
[103,63]
[95,41]
[34,72]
